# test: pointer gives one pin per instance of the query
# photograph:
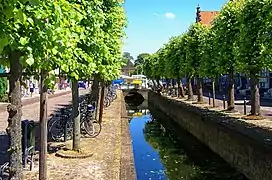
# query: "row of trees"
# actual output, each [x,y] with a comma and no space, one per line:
[82,38]
[238,41]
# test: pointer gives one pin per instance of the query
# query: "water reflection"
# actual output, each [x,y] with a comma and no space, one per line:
[146,159]
[163,151]
[182,155]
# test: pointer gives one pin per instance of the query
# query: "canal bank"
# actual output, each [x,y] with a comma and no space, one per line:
[243,145]
[162,151]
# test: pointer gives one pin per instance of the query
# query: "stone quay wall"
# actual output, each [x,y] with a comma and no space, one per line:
[243,145]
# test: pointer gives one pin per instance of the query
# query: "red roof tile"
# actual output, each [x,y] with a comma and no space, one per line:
[207,17]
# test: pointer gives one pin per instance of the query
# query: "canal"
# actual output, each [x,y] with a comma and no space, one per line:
[164,151]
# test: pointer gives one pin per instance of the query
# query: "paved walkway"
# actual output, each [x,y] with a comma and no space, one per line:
[31,109]
[31,112]
[265,111]
[105,164]
[35,98]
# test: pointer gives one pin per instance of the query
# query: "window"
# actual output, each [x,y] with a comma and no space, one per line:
[262,84]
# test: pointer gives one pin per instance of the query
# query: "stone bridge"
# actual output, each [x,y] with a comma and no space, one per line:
[143,92]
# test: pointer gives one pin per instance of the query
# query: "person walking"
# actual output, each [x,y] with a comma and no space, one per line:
[31,88]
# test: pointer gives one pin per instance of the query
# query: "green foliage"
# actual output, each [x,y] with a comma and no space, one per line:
[3,90]
[3,86]
[80,37]
[254,45]
[226,30]
[141,59]
[239,40]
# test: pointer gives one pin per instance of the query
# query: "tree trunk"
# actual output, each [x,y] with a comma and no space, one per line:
[76,116]
[231,97]
[158,83]
[255,96]
[190,89]
[101,103]
[43,128]
[97,110]
[14,119]
[180,89]
[95,93]
[154,84]
[95,87]
[213,91]
[199,90]
[167,84]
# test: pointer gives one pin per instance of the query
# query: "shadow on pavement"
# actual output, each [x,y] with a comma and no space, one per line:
[4,139]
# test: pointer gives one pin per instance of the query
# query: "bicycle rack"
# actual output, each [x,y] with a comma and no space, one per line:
[3,168]
[28,140]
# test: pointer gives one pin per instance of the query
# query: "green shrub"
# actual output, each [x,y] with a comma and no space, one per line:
[4,98]
[3,90]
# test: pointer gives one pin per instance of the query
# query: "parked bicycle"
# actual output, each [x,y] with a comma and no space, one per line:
[61,124]
[110,96]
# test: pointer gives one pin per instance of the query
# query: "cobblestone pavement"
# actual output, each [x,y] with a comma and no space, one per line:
[265,111]
[36,98]
[30,112]
[105,163]
[264,123]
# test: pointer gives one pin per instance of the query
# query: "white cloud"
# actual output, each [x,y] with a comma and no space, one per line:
[170,15]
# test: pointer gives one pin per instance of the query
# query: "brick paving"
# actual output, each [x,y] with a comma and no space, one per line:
[34,99]
[31,112]
[105,164]
[265,111]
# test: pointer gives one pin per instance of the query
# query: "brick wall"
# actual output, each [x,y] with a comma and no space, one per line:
[247,148]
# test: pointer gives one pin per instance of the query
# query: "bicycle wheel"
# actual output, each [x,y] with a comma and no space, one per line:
[114,96]
[92,128]
[53,118]
[57,130]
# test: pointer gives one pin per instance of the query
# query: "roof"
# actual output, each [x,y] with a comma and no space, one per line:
[207,17]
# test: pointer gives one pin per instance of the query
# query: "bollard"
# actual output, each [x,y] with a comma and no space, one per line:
[65,130]
[65,119]
[31,136]
[31,141]
[24,142]
[245,106]
[209,98]
[224,101]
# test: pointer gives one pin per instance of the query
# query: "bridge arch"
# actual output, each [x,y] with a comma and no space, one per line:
[135,96]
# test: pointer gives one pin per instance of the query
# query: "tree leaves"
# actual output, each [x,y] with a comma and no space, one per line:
[73,35]
[240,39]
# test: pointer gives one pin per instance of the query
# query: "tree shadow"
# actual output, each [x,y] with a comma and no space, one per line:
[4,139]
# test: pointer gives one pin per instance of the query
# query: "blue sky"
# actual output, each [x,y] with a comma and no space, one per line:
[152,22]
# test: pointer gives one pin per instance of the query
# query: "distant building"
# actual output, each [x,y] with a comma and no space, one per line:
[205,17]
[128,68]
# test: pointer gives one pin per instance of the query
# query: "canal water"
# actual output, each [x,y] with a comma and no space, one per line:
[163,151]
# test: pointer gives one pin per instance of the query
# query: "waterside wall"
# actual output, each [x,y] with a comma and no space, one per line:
[246,147]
